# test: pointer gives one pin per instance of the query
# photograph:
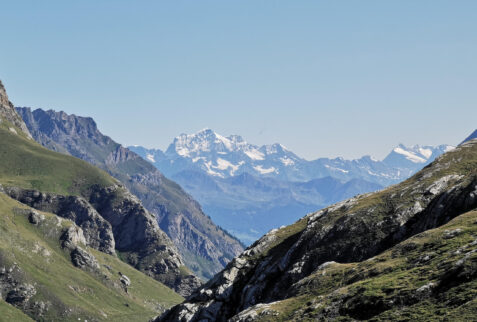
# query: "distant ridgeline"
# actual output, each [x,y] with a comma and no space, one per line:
[249,190]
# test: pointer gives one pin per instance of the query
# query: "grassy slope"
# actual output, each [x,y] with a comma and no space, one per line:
[395,275]
[26,164]
[10,313]
[69,289]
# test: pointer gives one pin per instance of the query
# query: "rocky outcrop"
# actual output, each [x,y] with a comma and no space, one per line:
[71,239]
[9,114]
[97,231]
[351,231]
[205,247]
[140,239]
[35,218]
[111,220]
[82,259]
[13,288]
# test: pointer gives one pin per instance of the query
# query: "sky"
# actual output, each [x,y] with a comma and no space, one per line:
[324,78]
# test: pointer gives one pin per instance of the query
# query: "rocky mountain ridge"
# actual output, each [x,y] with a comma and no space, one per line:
[271,276]
[205,248]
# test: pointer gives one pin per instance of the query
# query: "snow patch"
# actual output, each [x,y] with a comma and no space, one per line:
[287,162]
[410,156]
[212,172]
[255,155]
[449,148]
[150,157]
[194,160]
[260,169]
[224,164]
[425,152]
[336,169]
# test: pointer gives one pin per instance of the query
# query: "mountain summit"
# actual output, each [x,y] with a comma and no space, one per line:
[225,157]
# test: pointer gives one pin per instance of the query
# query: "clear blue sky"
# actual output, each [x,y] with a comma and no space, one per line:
[324,78]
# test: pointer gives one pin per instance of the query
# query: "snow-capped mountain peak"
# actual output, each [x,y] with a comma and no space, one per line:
[206,140]
[402,156]
[223,156]
[414,154]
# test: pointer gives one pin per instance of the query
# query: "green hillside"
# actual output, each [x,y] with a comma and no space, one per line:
[10,313]
[26,164]
[429,277]
[35,257]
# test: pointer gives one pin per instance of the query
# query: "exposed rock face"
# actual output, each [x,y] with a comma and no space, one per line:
[72,237]
[12,287]
[139,237]
[35,218]
[113,219]
[7,112]
[82,259]
[97,231]
[198,239]
[351,231]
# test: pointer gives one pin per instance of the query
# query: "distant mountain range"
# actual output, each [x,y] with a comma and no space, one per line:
[250,189]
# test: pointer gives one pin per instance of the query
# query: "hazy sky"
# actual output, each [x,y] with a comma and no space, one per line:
[324,78]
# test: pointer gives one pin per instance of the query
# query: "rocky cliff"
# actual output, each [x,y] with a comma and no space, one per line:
[372,256]
[8,113]
[206,248]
